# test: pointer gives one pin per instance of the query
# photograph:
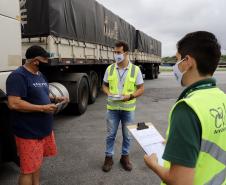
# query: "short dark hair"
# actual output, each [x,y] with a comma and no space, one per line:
[122,44]
[203,46]
[36,51]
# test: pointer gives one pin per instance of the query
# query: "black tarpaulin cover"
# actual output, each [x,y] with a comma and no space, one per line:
[80,20]
[147,44]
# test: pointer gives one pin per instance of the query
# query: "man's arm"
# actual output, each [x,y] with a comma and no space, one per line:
[16,103]
[140,87]
[137,93]
[139,84]
[176,175]
[105,88]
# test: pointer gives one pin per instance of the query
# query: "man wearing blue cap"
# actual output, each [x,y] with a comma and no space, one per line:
[32,114]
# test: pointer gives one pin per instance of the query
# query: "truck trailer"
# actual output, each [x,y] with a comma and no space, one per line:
[147,54]
[80,36]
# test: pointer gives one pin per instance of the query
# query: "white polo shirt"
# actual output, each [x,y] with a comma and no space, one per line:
[122,72]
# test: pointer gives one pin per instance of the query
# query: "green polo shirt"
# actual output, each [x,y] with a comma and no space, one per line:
[184,140]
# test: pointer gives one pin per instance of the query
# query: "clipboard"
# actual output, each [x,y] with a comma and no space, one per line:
[149,139]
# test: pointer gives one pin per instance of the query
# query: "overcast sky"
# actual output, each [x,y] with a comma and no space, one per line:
[169,20]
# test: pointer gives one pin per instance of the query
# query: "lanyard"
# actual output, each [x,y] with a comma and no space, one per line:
[121,76]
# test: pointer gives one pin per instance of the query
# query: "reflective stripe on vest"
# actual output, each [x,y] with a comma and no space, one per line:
[112,69]
[129,88]
[220,155]
[121,104]
[218,179]
[132,75]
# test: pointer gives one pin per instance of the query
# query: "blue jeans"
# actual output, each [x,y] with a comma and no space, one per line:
[114,117]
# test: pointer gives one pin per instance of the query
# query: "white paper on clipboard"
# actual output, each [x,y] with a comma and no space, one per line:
[150,140]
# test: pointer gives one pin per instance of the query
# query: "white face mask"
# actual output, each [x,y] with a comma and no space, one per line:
[119,57]
[177,73]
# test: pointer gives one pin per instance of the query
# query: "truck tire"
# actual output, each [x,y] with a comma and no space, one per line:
[156,72]
[93,87]
[83,98]
[149,72]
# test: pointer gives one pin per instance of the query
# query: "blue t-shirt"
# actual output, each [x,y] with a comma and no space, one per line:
[33,89]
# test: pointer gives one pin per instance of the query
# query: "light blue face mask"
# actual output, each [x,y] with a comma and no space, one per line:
[119,57]
[177,73]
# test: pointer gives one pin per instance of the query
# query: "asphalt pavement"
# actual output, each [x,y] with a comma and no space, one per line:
[81,141]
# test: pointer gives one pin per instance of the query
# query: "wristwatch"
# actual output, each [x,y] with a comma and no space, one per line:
[131,96]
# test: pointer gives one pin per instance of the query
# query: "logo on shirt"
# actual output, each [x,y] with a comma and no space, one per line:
[219,117]
[40,84]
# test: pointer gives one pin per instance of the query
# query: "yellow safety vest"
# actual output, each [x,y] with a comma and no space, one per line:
[128,88]
[210,107]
